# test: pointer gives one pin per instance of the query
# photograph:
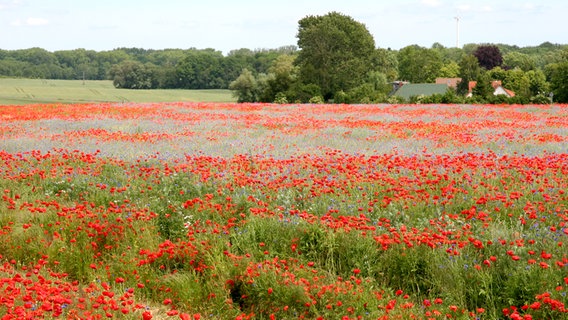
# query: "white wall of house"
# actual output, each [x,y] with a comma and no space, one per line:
[499,90]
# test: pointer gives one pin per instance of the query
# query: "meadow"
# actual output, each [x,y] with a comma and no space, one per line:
[181,210]
[26,91]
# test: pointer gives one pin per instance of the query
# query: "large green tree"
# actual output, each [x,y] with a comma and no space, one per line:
[282,75]
[201,69]
[519,82]
[131,74]
[336,52]
[245,87]
[558,74]
[469,71]
[386,62]
[418,64]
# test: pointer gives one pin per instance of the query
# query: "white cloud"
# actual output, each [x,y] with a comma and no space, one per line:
[31,22]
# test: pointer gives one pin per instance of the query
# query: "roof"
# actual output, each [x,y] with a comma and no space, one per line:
[450,82]
[418,89]
[499,89]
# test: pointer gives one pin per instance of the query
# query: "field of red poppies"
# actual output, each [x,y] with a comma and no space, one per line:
[262,211]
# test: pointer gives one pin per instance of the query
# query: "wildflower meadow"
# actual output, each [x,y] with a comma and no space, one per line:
[268,211]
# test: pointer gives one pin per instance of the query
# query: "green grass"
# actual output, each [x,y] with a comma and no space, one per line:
[29,91]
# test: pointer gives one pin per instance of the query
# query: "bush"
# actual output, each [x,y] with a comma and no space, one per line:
[540,99]
[280,98]
[341,97]
[317,100]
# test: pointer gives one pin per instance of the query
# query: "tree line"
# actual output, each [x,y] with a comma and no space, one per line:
[336,60]
[136,68]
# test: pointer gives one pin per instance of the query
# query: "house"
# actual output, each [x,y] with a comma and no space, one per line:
[420,89]
[497,87]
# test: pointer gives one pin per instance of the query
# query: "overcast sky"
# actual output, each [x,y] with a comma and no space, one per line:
[232,24]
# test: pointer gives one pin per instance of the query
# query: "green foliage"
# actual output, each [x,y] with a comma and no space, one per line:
[385,61]
[497,73]
[419,65]
[411,269]
[537,83]
[282,75]
[557,74]
[280,98]
[519,60]
[303,92]
[335,54]
[345,62]
[201,69]
[519,82]
[449,70]
[483,87]
[450,97]
[365,93]
[469,71]
[131,75]
[316,100]
[244,87]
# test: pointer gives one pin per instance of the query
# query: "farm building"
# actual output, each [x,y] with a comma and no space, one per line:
[420,89]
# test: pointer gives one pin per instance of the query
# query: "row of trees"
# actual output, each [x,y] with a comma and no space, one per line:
[139,68]
[338,61]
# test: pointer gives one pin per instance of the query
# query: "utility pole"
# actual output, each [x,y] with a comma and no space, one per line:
[457,31]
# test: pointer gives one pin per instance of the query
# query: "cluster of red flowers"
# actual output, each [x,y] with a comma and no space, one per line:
[84,235]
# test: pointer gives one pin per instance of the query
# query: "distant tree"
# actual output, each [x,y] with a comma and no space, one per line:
[469,48]
[385,61]
[282,74]
[336,52]
[419,65]
[245,87]
[488,56]
[238,60]
[35,56]
[519,60]
[263,59]
[449,70]
[498,74]
[449,54]
[201,69]
[558,75]
[483,87]
[105,60]
[469,71]
[78,63]
[517,81]
[131,75]
[538,83]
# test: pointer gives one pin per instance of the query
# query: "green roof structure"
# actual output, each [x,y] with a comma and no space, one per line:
[420,89]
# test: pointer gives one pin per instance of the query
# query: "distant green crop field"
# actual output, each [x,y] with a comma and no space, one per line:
[28,91]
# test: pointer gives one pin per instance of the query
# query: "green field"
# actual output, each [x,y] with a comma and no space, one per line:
[27,91]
